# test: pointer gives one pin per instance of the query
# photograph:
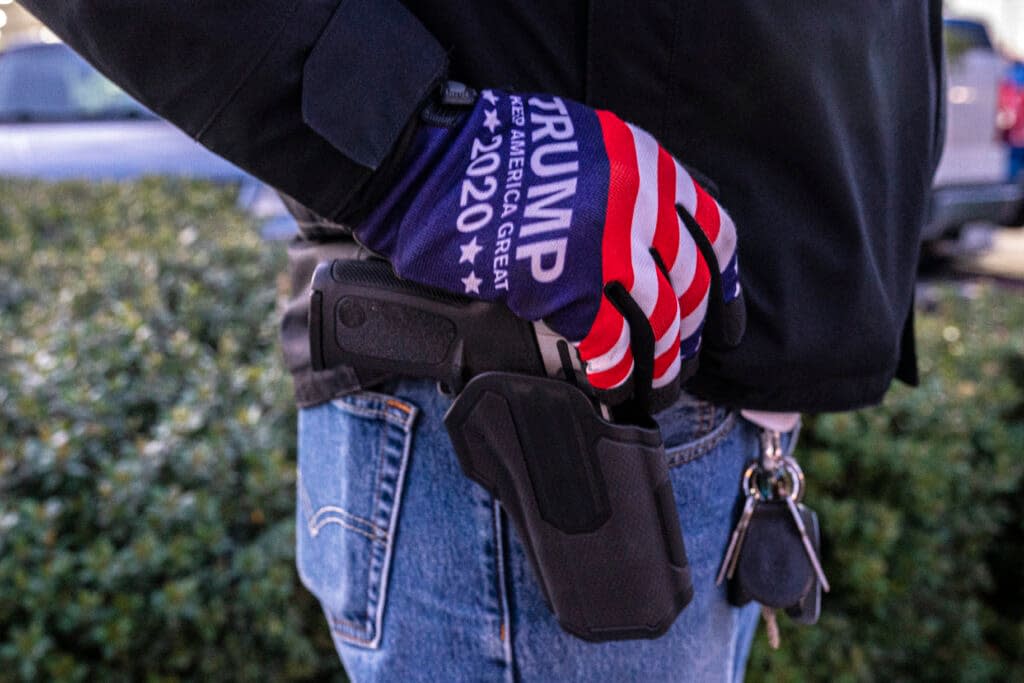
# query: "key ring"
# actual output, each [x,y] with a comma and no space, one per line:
[796,472]
[753,487]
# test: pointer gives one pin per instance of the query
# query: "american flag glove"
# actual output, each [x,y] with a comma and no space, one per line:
[571,215]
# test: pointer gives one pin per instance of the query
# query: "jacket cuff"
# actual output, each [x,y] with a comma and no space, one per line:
[366,77]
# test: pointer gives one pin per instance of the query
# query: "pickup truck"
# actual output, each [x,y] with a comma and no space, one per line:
[972,183]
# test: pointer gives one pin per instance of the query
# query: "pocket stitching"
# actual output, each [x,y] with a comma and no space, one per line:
[688,452]
[385,567]
[392,414]
[337,622]
[314,528]
[386,412]
[381,461]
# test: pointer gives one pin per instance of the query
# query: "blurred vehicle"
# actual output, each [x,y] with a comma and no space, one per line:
[1011,117]
[61,119]
[972,183]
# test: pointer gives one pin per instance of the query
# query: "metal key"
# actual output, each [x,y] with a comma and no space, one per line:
[732,553]
[812,555]
[772,453]
[808,610]
[771,627]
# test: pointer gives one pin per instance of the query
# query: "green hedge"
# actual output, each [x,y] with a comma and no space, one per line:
[147,466]
[922,506]
[146,442]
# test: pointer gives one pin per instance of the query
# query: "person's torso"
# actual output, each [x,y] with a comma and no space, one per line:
[819,122]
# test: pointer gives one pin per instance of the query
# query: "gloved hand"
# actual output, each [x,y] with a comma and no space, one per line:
[569,215]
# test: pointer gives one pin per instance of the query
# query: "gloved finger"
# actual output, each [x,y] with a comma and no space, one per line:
[685,266]
[667,380]
[606,349]
[664,323]
[642,344]
[624,375]
[654,224]
[641,396]
[652,314]
[692,280]
[714,233]
[674,249]
[694,300]
[631,272]
[716,223]
[726,319]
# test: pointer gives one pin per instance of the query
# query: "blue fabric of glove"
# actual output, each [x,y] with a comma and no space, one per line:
[572,216]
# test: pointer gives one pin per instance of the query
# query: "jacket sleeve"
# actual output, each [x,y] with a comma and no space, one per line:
[310,96]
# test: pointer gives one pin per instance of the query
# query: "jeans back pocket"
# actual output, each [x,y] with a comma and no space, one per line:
[353,455]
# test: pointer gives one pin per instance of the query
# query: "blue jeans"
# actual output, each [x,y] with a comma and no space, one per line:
[422,579]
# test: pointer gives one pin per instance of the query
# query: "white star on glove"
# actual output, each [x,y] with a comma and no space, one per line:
[472,283]
[491,120]
[489,96]
[469,252]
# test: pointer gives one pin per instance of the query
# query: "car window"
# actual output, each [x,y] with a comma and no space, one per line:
[52,83]
[962,35]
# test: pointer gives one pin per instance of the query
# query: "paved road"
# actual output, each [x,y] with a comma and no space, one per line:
[1004,260]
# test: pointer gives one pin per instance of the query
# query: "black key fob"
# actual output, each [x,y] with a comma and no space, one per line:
[773,568]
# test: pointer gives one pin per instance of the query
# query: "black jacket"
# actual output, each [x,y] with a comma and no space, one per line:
[820,123]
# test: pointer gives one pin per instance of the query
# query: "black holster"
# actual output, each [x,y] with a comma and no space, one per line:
[591,501]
